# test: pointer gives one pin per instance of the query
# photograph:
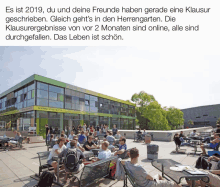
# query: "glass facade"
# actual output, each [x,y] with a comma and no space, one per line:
[19,122]
[47,95]
[21,98]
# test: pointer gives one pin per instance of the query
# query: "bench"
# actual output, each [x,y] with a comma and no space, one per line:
[94,172]
[129,177]
[50,145]
[43,156]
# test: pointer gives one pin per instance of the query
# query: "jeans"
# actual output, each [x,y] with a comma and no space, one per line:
[207,139]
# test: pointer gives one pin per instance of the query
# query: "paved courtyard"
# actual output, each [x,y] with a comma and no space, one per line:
[16,166]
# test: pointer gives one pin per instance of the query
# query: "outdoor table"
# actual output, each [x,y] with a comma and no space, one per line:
[195,142]
[88,154]
[95,151]
[164,165]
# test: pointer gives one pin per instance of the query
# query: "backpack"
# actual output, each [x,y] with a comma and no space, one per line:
[203,163]
[46,179]
[71,161]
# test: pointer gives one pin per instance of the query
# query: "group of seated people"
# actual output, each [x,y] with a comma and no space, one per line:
[13,141]
[89,143]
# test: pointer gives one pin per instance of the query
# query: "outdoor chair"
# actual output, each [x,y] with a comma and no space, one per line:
[178,143]
[129,177]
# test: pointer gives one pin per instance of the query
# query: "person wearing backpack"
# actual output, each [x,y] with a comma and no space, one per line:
[72,159]
[57,149]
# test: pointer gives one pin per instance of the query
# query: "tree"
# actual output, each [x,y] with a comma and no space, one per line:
[218,121]
[190,122]
[174,117]
[150,109]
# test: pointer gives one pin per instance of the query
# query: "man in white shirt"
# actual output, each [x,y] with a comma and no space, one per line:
[71,136]
[105,153]
[193,133]
[57,149]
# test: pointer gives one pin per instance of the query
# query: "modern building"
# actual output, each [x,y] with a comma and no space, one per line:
[202,115]
[39,100]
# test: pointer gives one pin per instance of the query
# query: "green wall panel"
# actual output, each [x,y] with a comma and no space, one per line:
[49,81]
[41,123]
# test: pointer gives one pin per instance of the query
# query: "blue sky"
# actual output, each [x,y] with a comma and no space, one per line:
[177,79]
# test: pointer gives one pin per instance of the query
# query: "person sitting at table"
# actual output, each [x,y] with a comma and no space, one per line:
[79,155]
[82,138]
[15,140]
[142,178]
[57,149]
[71,136]
[122,146]
[211,145]
[193,133]
[104,153]
[208,139]
[90,144]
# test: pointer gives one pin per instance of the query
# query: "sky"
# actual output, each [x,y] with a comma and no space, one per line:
[178,79]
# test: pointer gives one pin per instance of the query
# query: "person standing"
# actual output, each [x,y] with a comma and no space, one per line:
[114,130]
[84,127]
[47,129]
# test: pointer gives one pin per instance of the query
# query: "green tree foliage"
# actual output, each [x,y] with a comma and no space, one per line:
[190,122]
[152,116]
[218,121]
[174,117]
[150,109]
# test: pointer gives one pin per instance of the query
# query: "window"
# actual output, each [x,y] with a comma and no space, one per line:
[68,105]
[42,114]
[86,97]
[87,102]
[52,115]
[25,104]
[82,95]
[42,102]
[68,99]
[68,92]
[42,94]
[56,89]
[30,102]
[20,92]
[25,90]
[92,103]
[53,96]
[77,93]
[0,105]
[31,87]
[42,86]
[56,104]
